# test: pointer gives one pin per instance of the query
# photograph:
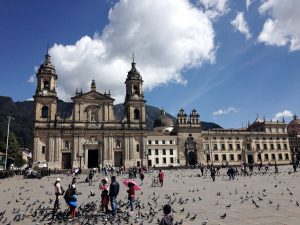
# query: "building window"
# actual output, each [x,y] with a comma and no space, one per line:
[238,146]
[149,151]
[258,146]
[273,157]
[45,112]
[171,151]
[239,157]
[222,138]
[214,138]
[229,138]
[224,158]
[207,157]
[156,160]
[265,147]
[287,156]
[271,138]
[264,138]
[171,160]
[46,85]
[279,146]
[149,142]
[67,144]
[164,151]
[285,146]
[272,146]
[237,138]
[231,157]
[171,142]
[280,156]
[248,146]
[156,142]
[216,157]
[138,163]
[156,151]
[230,147]
[136,113]
[163,142]
[164,160]
[137,148]
[259,156]
[266,157]
[223,146]
[43,149]
[215,147]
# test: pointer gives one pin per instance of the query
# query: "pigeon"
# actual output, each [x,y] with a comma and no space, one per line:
[297,203]
[205,221]
[188,215]
[194,217]
[223,216]
[228,206]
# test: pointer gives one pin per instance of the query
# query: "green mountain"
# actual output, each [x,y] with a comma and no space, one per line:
[23,113]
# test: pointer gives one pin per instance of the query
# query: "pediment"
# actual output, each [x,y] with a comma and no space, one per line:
[92,95]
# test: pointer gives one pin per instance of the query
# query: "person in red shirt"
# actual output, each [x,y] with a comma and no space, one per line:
[104,187]
[131,194]
[161,177]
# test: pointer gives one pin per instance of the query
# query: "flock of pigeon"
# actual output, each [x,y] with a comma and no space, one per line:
[194,200]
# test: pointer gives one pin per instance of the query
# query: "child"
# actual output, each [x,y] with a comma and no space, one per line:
[167,219]
[131,194]
[104,187]
[72,202]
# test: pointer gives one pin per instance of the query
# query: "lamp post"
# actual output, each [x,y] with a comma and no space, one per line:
[9,118]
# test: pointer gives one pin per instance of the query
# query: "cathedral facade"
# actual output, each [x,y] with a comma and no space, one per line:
[92,136]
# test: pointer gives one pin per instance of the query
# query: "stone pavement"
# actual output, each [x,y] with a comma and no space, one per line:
[262,199]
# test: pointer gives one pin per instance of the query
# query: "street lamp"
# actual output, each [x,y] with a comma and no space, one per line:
[9,118]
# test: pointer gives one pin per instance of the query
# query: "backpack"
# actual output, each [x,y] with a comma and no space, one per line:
[67,195]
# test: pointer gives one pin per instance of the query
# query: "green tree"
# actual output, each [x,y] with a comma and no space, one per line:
[14,151]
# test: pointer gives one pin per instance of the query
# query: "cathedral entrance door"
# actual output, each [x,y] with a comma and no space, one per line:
[192,158]
[118,159]
[66,161]
[93,158]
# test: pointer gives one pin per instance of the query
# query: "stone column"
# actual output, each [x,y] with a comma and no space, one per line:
[35,149]
[131,152]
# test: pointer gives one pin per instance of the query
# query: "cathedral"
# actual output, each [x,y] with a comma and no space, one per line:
[92,136]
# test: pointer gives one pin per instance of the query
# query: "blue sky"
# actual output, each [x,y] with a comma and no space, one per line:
[216,68]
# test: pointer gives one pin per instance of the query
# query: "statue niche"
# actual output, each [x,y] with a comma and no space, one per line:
[190,151]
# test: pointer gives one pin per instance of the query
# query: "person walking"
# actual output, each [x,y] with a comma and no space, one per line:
[58,192]
[114,189]
[161,176]
[104,187]
[131,195]
[142,176]
[91,175]
[213,173]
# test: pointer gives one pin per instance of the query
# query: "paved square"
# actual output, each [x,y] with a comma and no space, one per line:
[262,199]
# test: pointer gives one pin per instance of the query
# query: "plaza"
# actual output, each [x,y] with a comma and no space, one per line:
[267,199]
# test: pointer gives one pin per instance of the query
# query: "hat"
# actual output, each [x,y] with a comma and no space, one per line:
[58,179]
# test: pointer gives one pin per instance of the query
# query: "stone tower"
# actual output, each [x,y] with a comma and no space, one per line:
[134,104]
[45,97]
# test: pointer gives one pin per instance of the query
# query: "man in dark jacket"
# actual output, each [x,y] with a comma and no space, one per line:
[113,193]
[167,219]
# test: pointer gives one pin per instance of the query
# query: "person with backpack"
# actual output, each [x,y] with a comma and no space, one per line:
[71,200]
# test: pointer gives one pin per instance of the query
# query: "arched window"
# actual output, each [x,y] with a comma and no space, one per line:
[136,90]
[118,143]
[46,85]
[136,114]
[45,112]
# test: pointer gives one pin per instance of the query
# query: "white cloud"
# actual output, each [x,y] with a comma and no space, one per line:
[215,8]
[282,27]
[167,37]
[240,24]
[280,115]
[225,111]
[248,3]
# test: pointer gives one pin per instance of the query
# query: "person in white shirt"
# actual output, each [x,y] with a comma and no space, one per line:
[58,193]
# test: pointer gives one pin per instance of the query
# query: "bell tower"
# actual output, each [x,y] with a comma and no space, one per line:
[134,100]
[45,97]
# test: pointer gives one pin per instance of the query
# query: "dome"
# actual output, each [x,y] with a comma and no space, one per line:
[294,126]
[163,120]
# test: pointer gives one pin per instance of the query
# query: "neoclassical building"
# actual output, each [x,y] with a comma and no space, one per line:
[92,136]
